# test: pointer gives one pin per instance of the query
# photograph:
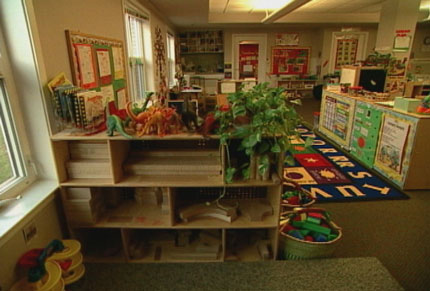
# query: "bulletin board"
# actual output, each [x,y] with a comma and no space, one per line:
[346,52]
[248,60]
[290,60]
[97,63]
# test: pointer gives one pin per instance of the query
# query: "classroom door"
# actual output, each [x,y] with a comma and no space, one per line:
[249,56]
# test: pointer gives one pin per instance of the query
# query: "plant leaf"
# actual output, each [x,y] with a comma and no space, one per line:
[289,160]
[263,164]
[309,141]
[250,141]
[246,173]
[229,174]
[239,110]
[275,148]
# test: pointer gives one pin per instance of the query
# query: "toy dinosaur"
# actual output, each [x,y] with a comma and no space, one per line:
[114,123]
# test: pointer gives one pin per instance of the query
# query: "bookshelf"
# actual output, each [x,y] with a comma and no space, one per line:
[202,51]
[297,88]
[134,212]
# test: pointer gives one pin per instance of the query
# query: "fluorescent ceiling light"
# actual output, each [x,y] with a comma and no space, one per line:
[289,7]
[269,4]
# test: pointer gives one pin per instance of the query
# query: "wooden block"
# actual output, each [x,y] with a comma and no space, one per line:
[88,150]
[255,209]
[205,248]
[203,210]
[88,169]
[78,193]
[148,196]
[263,250]
[183,238]
[210,237]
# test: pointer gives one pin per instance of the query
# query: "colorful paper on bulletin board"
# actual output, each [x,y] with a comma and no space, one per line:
[367,121]
[118,63]
[290,61]
[119,86]
[393,138]
[85,62]
[104,64]
[248,60]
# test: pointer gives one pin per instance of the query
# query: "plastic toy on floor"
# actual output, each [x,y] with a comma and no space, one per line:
[51,268]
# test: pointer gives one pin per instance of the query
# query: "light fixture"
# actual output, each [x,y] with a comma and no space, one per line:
[284,10]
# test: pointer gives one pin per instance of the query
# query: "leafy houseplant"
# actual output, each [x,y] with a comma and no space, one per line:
[263,120]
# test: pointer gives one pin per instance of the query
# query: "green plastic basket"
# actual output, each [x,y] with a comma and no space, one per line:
[296,249]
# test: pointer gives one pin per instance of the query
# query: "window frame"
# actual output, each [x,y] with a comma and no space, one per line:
[171,59]
[134,10]
[16,135]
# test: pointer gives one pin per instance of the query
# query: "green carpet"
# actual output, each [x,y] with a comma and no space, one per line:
[328,274]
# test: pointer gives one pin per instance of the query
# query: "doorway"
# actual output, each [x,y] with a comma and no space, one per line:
[249,53]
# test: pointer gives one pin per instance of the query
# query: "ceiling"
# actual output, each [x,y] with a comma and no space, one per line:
[204,13]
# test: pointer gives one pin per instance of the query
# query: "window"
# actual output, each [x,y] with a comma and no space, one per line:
[14,175]
[139,54]
[171,59]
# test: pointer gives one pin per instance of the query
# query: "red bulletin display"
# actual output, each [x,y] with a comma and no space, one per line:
[290,60]
[248,60]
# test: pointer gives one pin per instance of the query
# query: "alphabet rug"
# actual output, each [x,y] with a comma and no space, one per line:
[332,176]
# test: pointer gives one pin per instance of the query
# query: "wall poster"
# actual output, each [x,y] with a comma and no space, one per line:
[337,116]
[364,139]
[290,60]
[392,143]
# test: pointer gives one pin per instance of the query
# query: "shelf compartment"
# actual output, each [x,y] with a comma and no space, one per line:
[248,245]
[177,160]
[83,206]
[86,160]
[101,245]
[173,245]
[240,208]
[134,211]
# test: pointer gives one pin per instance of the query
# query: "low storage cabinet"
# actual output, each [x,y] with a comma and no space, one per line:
[159,201]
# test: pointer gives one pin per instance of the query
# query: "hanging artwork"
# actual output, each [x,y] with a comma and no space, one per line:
[290,60]
[160,65]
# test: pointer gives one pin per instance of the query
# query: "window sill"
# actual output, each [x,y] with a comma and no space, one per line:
[14,214]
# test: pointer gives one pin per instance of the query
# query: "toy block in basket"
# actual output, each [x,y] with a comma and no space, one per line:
[308,234]
[295,196]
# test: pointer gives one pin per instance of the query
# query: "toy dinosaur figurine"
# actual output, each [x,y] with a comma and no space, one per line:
[114,123]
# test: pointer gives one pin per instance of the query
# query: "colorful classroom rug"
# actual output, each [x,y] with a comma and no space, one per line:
[332,176]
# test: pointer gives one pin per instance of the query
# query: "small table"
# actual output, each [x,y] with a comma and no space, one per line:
[196,93]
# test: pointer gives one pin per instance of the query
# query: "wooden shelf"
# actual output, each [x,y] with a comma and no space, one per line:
[240,223]
[130,214]
[67,135]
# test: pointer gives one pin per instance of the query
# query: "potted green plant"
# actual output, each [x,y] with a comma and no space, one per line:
[263,120]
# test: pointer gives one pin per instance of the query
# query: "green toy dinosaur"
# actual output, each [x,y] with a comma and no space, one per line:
[114,123]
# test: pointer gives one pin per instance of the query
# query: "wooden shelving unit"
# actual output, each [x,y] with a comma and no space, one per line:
[140,213]
[297,88]
[202,51]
